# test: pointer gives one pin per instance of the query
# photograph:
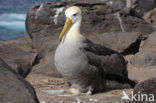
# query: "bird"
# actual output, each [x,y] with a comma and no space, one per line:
[86,66]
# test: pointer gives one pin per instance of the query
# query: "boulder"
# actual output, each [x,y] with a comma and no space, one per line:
[14,88]
[42,19]
[45,20]
[18,54]
[147,87]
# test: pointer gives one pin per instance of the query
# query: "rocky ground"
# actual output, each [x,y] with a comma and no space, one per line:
[42,82]
[31,57]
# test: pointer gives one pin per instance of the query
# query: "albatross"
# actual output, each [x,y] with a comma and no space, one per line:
[86,66]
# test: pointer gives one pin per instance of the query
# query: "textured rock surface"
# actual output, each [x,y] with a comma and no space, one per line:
[46,66]
[147,53]
[142,74]
[144,58]
[13,87]
[45,21]
[18,54]
[150,16]
[124,43]
[150,43]
[95,14]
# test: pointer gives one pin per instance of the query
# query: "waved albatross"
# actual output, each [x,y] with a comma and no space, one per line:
[86,66]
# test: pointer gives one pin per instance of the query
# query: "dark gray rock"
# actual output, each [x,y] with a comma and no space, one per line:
[19,55]
[146,5]
[147,87]
[13,87]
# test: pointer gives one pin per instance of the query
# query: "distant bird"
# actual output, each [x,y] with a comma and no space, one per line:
[84,65]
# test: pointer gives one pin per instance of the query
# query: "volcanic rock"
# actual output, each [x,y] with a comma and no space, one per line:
[18,54]
[14,88]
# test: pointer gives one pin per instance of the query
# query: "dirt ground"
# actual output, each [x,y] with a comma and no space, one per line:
[42,83]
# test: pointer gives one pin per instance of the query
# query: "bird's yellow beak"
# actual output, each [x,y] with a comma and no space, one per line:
[66,27]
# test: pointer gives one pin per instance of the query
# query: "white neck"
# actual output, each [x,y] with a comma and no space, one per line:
[74,32]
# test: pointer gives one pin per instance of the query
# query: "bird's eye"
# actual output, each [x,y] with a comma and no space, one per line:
[75,14]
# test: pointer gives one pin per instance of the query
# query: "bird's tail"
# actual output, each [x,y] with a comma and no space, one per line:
[121,79]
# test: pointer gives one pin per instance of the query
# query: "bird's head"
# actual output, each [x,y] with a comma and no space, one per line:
[73,15]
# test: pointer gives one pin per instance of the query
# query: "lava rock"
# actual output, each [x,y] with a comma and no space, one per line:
[19,55]
[14,88]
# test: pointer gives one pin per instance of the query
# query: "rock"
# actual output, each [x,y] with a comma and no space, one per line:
[44,23]
[14,89]
[146,5]
[147,53]
[147,87]
[150,16]
[144,58]
[18,54]
[124,43]
[46,66]
[133,12]
[95,14]
[24,43]
[141,74]
[150,43]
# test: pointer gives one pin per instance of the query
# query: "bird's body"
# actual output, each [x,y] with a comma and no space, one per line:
[74,66]
[85,65]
